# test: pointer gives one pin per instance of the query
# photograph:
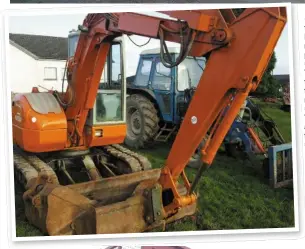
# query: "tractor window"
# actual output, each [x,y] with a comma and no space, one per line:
[162,77]
[189,72]
[143,74]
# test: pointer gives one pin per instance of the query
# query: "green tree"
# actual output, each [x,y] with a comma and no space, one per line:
[269,86]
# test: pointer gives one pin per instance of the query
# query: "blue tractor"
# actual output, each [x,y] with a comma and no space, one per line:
[158,98]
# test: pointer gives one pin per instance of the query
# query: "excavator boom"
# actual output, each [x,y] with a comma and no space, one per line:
[231,73]
[237,49]
[210,32]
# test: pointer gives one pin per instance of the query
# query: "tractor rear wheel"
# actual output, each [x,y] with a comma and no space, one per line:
[142,121]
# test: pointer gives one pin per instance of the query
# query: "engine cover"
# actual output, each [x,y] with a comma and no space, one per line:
[39,122]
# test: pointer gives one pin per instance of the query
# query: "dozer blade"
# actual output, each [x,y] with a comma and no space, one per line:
[122,204]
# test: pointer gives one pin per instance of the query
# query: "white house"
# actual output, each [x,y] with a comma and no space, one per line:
[36,60]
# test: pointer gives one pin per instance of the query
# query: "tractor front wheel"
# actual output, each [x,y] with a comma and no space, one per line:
[235,150]
[142,121]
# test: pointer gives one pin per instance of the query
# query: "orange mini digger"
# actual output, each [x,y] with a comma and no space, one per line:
[78,179]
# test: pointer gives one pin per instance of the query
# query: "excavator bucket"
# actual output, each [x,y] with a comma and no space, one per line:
[127,203]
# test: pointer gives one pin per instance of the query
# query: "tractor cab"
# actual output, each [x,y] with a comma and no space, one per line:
[158,96]
[167,87]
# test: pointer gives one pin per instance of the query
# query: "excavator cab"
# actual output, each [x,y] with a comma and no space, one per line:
[105,123]
[109,107]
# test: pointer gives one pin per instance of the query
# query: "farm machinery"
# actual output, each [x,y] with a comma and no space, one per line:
[254,135]
[77,178]
[158,98]
[252,132]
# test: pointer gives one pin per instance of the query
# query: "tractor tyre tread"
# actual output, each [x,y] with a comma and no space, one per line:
[150,124]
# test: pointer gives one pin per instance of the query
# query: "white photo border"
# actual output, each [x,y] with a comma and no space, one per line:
[20,10]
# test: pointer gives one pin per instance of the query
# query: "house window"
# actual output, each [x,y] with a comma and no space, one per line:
[50,73]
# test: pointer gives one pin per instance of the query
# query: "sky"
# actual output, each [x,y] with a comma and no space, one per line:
[60,25]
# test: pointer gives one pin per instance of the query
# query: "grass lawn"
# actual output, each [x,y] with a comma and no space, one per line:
[232,193]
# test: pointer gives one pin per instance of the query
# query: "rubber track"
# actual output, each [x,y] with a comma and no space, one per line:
[29,166]
[145,164]
[136,162]
[23,171]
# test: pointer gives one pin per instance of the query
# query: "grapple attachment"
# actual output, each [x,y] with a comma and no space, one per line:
[122,204]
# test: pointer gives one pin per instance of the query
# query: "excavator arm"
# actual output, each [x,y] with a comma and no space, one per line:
[238,51]
[231,73]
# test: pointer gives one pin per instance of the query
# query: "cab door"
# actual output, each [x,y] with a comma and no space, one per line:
[162,85]
[143,75]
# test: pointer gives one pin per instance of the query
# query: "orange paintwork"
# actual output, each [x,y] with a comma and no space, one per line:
[40,141]
[111,134]
[240,66]
[257,141]
[238,69]
[47,133]
[196,19]
[86,70]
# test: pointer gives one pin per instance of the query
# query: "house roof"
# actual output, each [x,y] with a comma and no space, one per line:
[42,47]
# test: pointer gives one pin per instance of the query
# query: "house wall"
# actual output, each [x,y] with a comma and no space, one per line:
[22,70]
[55,84]
[25,72]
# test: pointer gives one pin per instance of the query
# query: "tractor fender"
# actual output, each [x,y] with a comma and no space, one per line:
[146,93]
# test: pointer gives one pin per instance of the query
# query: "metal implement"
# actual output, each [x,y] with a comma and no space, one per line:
[280,165]
[100,206]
